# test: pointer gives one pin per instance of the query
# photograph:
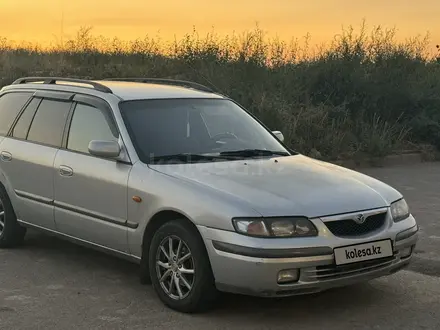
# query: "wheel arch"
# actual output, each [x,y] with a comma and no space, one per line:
[7,187]
[155,222]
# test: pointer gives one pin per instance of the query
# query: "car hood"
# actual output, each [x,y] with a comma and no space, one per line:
[287,186]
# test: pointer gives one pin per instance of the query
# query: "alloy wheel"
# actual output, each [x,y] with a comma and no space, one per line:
[175,267]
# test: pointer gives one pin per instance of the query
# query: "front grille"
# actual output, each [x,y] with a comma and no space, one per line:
[329,272]
[349,228]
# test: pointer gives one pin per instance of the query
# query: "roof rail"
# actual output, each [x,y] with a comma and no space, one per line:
[175,82]
[53,81]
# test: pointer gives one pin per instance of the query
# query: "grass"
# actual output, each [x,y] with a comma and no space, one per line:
[365,93]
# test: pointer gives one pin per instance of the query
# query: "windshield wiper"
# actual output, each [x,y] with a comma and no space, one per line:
[254,153]
[188,158]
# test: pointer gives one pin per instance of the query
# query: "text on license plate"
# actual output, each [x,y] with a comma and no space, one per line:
[363,252]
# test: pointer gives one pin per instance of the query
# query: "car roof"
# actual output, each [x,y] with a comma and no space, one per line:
[137,90]
[123,88]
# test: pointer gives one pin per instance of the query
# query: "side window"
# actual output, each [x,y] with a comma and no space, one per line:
[21,129]
[49,121]
[90,123]
[10,106]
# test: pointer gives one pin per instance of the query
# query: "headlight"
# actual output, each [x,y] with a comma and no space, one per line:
[276,227]
[399,210]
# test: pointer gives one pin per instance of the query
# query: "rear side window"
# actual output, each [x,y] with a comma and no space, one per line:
[10,106]
[21,129]
[49,121]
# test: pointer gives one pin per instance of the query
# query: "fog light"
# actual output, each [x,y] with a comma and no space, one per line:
[406,252]
[288,276]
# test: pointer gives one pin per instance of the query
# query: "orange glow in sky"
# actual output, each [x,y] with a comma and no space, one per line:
[43,20]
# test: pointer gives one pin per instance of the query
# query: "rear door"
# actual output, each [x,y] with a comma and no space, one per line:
[27,155]
[11,104]
[91,192]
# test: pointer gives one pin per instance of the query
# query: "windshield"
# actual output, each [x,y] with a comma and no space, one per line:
[160,128]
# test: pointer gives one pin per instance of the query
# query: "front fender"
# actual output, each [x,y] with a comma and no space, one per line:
[160,192]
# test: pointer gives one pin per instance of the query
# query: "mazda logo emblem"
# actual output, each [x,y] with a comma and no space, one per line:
[359,219]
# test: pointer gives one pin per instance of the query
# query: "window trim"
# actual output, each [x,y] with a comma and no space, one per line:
[20,111]
[32,122]
[34,142]
[19,117]
[74,98]
[102,105]
[42,94]
[54,95]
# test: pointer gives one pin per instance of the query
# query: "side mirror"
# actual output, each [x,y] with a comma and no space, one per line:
[279,135]
[106,149]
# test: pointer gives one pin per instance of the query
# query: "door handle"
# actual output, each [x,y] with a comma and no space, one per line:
[6,156]
[66,170]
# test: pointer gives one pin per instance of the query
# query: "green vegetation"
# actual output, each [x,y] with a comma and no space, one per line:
[365,93]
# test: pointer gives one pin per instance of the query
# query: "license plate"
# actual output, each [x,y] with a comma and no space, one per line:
[363,252]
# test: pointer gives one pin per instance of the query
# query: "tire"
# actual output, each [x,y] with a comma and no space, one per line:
[203,293]
[11,233]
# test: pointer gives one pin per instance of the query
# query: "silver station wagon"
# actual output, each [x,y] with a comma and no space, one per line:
[196,190]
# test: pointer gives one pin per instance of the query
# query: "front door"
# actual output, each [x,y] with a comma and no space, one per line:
[90,193]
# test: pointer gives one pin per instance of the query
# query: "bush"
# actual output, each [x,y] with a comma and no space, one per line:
[362,94]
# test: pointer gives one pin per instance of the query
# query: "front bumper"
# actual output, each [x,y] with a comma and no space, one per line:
[250,266]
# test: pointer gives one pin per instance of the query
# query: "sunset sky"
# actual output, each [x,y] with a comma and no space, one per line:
[41,20]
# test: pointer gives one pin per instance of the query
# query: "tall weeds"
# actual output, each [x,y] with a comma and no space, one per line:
[364,92]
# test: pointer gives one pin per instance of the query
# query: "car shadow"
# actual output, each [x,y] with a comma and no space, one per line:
[43,246]
[327,302]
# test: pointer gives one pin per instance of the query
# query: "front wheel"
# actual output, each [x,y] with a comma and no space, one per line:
[179,268]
